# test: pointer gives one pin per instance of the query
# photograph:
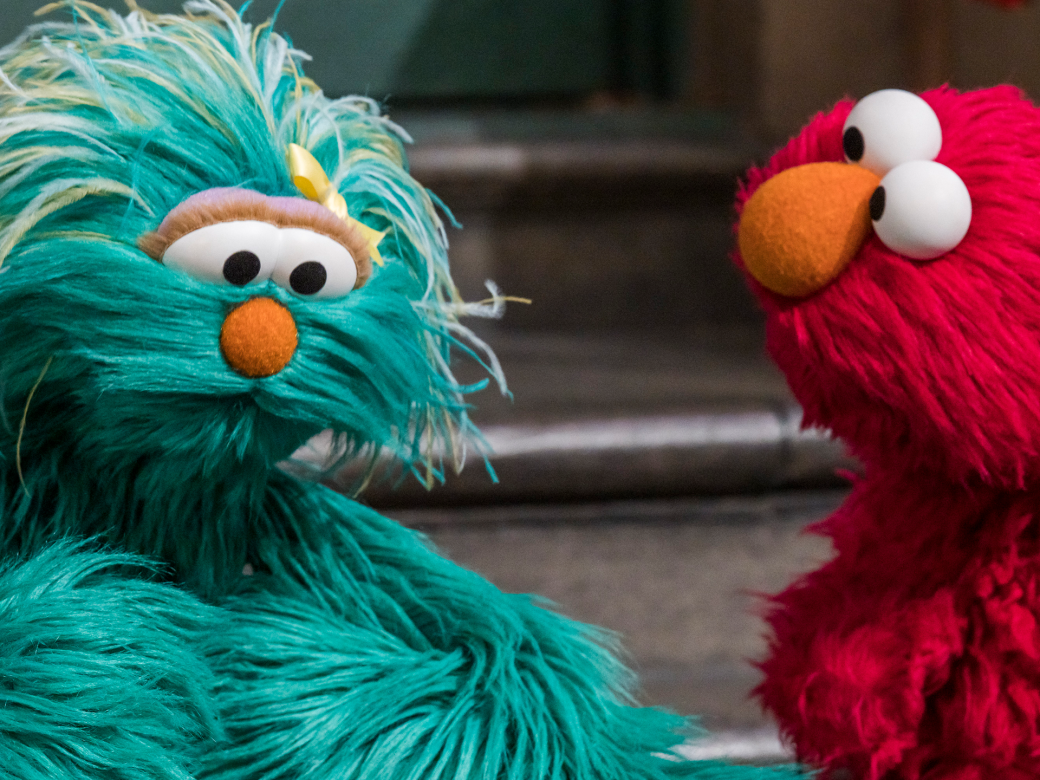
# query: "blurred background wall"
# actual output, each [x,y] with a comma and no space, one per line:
[771,63]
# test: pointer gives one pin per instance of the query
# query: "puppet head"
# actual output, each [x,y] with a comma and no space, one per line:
[204,262]
[909,321]
[135,150]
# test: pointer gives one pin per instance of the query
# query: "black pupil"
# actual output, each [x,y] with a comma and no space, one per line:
[877,204]
[241,268]
[308,278]
[852,142]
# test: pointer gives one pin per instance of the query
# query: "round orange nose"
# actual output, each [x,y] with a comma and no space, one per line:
[802,227]
[258,338]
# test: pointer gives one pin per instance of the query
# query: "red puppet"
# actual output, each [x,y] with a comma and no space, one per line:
[895,246]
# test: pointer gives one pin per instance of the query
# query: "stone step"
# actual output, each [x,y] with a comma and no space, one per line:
[627,415]
[619,219]
[757,747]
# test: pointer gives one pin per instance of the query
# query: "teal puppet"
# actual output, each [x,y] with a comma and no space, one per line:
[204,262]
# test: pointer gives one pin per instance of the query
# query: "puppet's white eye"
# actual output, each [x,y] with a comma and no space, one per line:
[891,127]
[921,210]
[313,265]
[237,253]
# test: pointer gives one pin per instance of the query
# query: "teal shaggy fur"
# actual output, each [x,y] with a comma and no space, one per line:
[139,484]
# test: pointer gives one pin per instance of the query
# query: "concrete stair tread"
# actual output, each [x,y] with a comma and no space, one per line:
[758,747]
[595,416]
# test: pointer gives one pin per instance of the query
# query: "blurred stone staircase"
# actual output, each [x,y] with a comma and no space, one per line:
[652,477]
[631,414]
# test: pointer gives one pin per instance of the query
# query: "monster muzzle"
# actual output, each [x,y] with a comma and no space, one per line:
[258,338]
[803,226]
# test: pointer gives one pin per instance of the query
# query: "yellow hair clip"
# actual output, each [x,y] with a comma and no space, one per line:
[313,182]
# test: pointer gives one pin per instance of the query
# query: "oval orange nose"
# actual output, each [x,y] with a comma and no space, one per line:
[802,227]
[258,338]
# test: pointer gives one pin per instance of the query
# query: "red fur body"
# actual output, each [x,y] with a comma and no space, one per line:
[915,653]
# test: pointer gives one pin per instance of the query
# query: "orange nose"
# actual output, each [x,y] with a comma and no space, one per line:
[802,227]
[258,338]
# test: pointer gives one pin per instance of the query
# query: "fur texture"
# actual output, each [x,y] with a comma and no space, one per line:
[360,607]
[353,650]
[99,672]
[915,652]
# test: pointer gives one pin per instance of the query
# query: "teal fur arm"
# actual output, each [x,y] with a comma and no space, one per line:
[357,651]
[99,671]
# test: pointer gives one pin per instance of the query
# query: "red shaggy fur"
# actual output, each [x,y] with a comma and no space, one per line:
[915,653]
